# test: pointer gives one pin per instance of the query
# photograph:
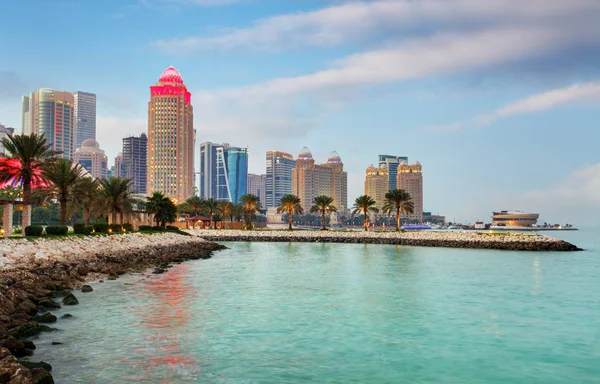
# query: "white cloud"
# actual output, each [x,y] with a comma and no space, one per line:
[540,102]
[360,20]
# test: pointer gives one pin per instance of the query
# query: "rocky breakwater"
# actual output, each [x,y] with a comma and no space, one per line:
[475,240]
[39,276]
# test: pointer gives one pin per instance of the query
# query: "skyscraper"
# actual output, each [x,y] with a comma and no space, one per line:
[92,158]
[256,186]
[51,113]
[4,132]
[391,163]
[85,117]
[223,171]
[410,178]
[135,155]
[310,180]
[279,177]
[376,184]
[118,169]
[25,115]
[170,137]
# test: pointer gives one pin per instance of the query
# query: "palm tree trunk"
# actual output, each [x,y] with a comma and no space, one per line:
[323,219]
[63,210]
[366,223]
[114,217]
[86,217]
[397,219]
[291,217]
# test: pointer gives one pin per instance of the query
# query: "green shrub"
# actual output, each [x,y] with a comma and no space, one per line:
[172,228]
[101,227]
[116,227]
[145,228]
[158,228]
[57,230]
[82,229]
[17,231]
[128,227]
[90,228]
[34,230]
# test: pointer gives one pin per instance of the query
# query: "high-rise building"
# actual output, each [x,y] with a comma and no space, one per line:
[92,158]
[118,170]
[135,157]
[25,115]
[410,178]
[223,171]
[4,132]
[85,117]
[256,186]
[171,138]
[376,184]
[310,180]
[392,162]
[278,182]
[51,113]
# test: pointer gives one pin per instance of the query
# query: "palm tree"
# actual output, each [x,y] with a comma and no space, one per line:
[290,204]
[226,209]
[364,204]
[63,175]
[400,201]
[86,196]
[155,203]
[251,204]
[115,192]
[323,204]
[212,205]
[195,203]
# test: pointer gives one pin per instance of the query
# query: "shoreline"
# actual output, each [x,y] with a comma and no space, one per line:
[42,275]
[467,240]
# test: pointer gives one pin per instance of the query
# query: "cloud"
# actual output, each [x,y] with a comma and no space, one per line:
[359,21]
[541,102]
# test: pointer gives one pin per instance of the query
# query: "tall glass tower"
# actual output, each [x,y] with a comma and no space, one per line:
[85,117]
[134,161]
[391,163]
[279,177]
[223,171]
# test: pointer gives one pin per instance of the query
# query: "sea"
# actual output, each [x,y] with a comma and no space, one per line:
[341,313]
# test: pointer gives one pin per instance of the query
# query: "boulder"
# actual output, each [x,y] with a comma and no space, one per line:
[66,316]
[36,364]
[45,318]
[70,299]
[49,303]
[86,288]
[29,344]
[41,376]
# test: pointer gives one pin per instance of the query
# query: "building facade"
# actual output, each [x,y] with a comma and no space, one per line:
[4,132]
[25,115]
[310,180]
[51,113]
[92,158]
[391,163]
[377,184]
[170,138]
[118,170]
[223,171]
[278,182]
[410,178]
[135,162]
[256,186]
[85,117]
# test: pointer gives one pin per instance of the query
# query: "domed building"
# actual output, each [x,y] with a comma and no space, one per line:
[92,158]
[377,184]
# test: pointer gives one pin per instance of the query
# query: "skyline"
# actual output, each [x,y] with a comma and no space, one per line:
[419,78]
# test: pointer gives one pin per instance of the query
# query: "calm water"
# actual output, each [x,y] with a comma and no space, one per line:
[342,313]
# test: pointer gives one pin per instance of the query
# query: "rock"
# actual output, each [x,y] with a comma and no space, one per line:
[30,329]
[70,299]
[27,307]
[112,278]
[61,293]
[29,344]
[45,318]
[83,270]
[49,303]
[34,364]
[66,316]
[101,281]
[7,281]
[158,271]
[4,352]
[56,343]
[41,376]
[15,346]
[86,288]
[5,375]
[15,372]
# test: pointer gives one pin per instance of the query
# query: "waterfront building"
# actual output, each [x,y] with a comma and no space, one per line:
[4,132]
[85,117]
[377,184]
[135,165]
[256,186]
[310,180]
[170,138]
[92,158]
[223,171]
[118,170]
[391,163]
[51,113]
[278,182]
[514,219]
[410,178]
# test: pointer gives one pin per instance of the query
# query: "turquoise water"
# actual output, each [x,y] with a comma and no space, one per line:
[341,313]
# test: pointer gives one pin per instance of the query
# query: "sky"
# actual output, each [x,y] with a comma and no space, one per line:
[497,99]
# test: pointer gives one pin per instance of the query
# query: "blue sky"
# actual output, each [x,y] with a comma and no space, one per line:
[498,99]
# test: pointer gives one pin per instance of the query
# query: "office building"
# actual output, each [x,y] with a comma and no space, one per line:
[170,138]
[391,163]
[256,186]
[278,182]
[25,115]
[118,169]
[135,152]
[410,178]
[310,180]
[92,158]
[85,117]
[223,171]
[51,113]
[4,132]
[377,184]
